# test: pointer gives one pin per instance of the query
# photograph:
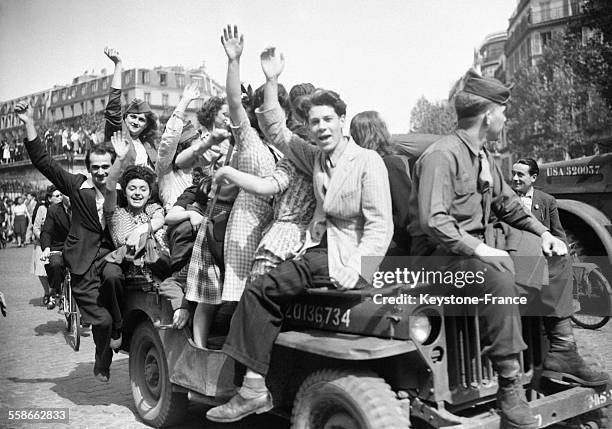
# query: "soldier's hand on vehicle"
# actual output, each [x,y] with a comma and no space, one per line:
[346,278]
[24,112]
[180,318]
[232,42]
[553,246]
[113,54]
[499,259]
[272,62]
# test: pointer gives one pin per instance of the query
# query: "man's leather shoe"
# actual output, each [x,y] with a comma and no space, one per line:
[103,376]
[568,366]
[238,408]
[514,409]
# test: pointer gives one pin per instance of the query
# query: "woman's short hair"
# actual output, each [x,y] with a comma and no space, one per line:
[207,113]
[370,132]
[325,97]
[138,172]
[531,163]
[99,149]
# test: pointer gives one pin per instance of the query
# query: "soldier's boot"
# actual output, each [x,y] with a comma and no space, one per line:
[513,407]
[563,363]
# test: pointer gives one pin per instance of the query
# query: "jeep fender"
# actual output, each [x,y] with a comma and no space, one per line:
[593,218]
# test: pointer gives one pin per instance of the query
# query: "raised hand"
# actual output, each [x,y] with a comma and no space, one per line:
[113,54]
[232,43]
[272,62]
[218,135]
[191,92]
[121,144]
[24,112]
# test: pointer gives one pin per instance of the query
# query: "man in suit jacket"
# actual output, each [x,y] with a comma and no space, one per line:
[88,239]
[555,299]
[352,221]
[52,237]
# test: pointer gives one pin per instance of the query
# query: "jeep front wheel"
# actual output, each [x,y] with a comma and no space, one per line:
[155,401]
[346,400]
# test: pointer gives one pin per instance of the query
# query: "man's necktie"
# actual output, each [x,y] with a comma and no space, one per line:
[485,179]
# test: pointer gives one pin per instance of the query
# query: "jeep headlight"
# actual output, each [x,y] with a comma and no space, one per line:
[420,327]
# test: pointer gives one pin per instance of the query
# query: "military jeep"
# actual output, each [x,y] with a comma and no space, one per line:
[366,358]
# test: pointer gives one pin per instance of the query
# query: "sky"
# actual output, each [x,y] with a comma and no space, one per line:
[377,54]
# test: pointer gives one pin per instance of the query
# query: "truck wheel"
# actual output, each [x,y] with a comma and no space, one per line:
[155,401]
[346,400]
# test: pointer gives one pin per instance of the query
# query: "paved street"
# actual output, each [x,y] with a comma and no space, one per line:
[39,369]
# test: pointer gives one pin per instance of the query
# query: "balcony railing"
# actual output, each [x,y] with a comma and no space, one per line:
[554,13]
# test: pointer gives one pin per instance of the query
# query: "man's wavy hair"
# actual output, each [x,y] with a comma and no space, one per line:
[138,172]
[208,111]
[324,97]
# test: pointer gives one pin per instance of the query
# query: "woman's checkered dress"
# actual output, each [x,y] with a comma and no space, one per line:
[249,216]
[294,207]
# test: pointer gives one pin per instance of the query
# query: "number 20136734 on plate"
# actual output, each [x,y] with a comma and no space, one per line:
[318,314]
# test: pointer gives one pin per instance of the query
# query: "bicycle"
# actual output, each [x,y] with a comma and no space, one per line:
[68,305]
[592,296]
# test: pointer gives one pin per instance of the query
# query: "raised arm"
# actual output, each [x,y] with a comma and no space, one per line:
[63,180]
[192,156]
[272,120]
[112,113]
[122,146]
[249,182]
[174,128]
[233,45]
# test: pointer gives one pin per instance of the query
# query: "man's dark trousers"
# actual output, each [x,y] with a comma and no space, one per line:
[98,294]
[259,315]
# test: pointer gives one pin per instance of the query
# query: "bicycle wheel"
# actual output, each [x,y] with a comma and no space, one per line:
[595,298]
[75,325]
[65,302]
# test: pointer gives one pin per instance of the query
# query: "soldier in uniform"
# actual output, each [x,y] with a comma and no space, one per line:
[456,187]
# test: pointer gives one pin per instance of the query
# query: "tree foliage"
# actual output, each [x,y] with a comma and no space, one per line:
[597,16]
[556,110]
[432,118]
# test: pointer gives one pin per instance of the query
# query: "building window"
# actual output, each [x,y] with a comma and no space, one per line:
[180,80]
[62,111]
[144,76]
[72,111]
[105,83]
[94,86]
[147,97]
[72,92]
[125,98]
[83,86]
[164,100]
[546,37]
[127,77]
[163,79]
[93,106]
[64,92]
[102,103]
[54,97]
